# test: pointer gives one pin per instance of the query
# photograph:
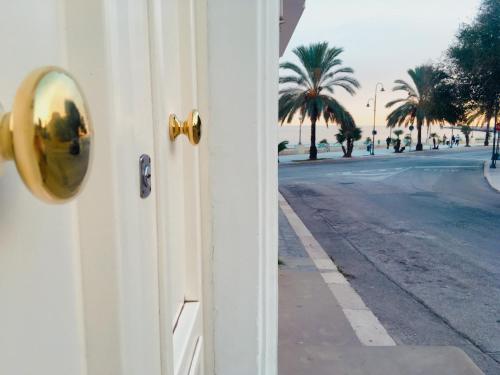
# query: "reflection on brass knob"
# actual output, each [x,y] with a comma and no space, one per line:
[49,135]
[190,128]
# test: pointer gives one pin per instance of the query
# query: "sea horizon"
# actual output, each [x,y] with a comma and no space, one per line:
[290,133]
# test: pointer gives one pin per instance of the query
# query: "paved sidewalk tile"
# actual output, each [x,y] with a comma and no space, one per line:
[316,337]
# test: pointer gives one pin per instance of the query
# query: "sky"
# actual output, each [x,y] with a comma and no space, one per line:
[382,39]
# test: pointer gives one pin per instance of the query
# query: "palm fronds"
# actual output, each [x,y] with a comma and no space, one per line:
[308,88]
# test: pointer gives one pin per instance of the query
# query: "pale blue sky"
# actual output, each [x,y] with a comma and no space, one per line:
[382,39]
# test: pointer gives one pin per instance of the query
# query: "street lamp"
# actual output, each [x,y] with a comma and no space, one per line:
[496,142]
[374,132]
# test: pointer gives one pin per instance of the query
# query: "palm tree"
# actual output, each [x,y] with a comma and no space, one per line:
[418,105]
[310,87]
[435,138]
[398,132]
[282,146]
[348,135]
[481,115]
[466,130]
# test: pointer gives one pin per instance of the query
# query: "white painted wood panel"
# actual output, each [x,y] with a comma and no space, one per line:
[79,282]
[174,79]
[41,326]
[243,44]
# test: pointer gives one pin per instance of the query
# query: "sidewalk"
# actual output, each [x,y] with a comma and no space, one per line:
[492,175]
[379,152]
[325,328]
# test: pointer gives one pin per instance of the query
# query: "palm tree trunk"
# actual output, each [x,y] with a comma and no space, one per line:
[344,150]
[300,134]
[313,151]
[419,136]
[350,147]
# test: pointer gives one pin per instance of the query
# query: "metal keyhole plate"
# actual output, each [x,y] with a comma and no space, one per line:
[145,175]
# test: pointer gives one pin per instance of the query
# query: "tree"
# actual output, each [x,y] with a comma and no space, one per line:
[466,130]
[424,102]
[282,146]
[398,132]
[348,135]
[435,140]
[310,86]
[407,139]
[475,63]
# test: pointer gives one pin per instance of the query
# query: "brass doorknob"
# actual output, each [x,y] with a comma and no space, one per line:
[190,128]
[48,134]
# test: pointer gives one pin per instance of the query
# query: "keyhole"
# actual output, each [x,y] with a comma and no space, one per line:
[145,175]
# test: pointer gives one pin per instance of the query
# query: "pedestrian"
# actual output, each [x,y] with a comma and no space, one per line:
[388,141]
[457,140]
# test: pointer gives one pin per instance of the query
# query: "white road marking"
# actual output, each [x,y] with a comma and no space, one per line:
[445,166]
[365,324]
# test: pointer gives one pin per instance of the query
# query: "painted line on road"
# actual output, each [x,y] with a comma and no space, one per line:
[445,166]
[365,324]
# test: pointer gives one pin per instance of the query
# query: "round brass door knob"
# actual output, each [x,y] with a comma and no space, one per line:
[49,135]
[191,128]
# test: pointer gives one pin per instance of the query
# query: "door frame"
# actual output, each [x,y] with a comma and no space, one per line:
[239,175]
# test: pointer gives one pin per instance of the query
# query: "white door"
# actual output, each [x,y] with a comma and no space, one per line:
[176,41]
[109,283]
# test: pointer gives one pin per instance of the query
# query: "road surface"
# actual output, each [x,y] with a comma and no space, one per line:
[418,236]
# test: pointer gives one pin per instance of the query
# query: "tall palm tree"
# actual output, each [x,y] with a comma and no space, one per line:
[310,86]
[419,104]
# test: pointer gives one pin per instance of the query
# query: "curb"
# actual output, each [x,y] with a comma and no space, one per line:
[365,324]
[487,176]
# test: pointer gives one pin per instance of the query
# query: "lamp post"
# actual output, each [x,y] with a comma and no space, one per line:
[496,134]
[374,132]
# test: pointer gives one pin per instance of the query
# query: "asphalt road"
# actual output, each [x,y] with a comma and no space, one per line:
[418,236]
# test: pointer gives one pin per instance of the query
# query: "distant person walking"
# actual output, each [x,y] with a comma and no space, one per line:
[388,141]
[452,141]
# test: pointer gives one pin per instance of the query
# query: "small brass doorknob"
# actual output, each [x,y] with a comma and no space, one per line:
[49,135]
[190,128]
